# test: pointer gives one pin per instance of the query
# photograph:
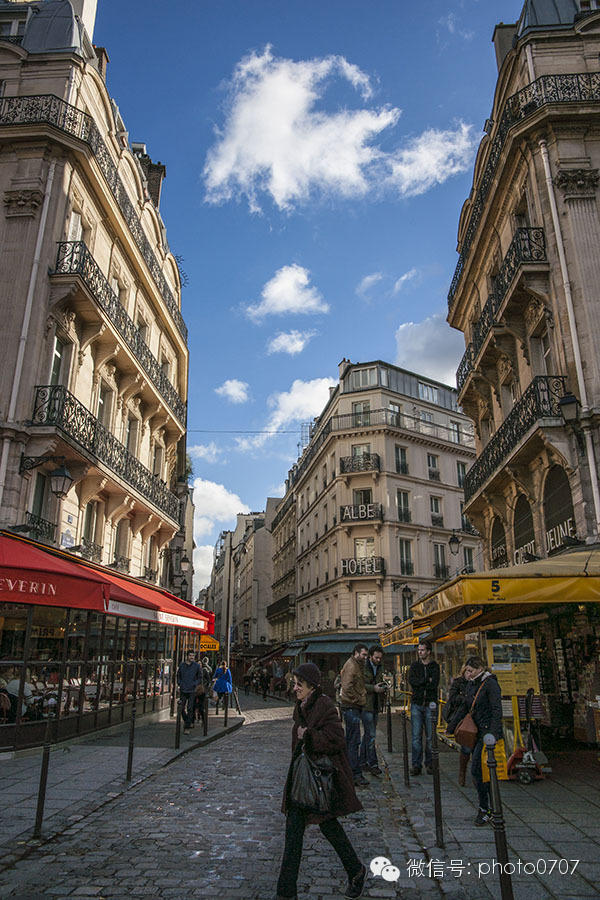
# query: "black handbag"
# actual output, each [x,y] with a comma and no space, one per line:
[312,785]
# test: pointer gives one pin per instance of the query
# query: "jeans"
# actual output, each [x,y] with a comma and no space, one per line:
[188,702]
[421,715]
[352,719]
[483,788]
[367,754]
[295,824]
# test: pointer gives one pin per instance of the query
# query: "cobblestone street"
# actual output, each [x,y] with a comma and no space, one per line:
[210,825]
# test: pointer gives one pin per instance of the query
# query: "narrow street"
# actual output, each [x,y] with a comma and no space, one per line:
[210,825]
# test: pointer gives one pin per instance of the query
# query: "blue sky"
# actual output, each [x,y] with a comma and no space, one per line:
[318,153]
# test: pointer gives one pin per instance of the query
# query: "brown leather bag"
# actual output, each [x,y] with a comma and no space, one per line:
[466,731]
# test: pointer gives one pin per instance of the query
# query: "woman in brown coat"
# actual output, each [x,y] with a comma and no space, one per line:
[318,730]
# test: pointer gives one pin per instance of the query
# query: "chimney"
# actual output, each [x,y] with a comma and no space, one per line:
[343,367]
[85,10]
[154,172]
[103,60]
[503,39]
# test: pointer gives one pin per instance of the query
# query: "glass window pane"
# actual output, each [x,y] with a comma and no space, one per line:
[13,624]
[47,633]
[77,628]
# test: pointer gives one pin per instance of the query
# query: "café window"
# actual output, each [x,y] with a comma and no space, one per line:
[366,608]
[13,625]
[498,552]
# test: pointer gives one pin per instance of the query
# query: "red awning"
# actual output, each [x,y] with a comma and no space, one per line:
[33,573]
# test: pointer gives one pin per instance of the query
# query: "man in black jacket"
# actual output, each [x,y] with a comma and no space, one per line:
[424,679]
[189,676]
[375,687]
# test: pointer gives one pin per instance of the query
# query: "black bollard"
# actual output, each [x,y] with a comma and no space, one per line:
[225,709]
[205,715]
[437,794]
[39,815]
[506,891]
[131,742]
[405,747]
[178,726]
[389,723]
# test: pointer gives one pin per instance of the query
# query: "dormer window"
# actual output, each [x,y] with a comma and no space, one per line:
[588,5]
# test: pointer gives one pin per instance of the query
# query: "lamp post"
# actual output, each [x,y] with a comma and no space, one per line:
[454,543]
[61,480]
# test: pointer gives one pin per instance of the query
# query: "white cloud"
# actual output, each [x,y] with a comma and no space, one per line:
[408,276]
[303,401]
[233,390]
[431,158]
[278,139]
[450,22]
[291,342]
[367,283]
[208,452]
[288,292]
[430,348]
[214,504]
[203,562]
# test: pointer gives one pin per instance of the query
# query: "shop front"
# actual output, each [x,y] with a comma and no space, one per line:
[80,645]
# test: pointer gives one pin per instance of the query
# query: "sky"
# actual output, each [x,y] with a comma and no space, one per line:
[318,154]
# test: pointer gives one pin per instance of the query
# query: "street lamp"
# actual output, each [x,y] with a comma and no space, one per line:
[454,543]
[184,563]
[407,596]
[61,480]
[569,408]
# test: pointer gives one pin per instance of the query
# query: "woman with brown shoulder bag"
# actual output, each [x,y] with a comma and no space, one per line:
[485,704]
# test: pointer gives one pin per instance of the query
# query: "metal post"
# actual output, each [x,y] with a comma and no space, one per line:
[37,831]
[237,702]
[131,742]
[225,709]
[506,891]
[435,759]
[405,747]
[389,723]
[205,729]
[178,726]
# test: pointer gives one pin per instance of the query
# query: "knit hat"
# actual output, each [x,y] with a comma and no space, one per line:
[310,673]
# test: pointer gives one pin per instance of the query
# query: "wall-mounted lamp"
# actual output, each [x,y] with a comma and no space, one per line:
[61,480]
[454,543]
[569,409]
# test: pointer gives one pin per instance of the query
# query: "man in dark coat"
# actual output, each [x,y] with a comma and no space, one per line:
[375,688]
[189,675]
[424,679]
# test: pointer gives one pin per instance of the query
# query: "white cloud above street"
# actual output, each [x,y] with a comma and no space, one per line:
[291,342]
[234,390]
[368,282]
[208,452]
[278,138]
[214,505]
[400,282]
[203,561]
[288,292]
[430,348]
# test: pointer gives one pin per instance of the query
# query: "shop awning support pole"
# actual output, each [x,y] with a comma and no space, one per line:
[405,747]
[435,759]
[388,712]
[39,815]
[131,743]
[506,891]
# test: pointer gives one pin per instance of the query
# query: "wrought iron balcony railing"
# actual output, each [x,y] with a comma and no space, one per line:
[56,406]
[74,258]
[434,474]
[466,526]
[12,38]
[371,565]
[47,109]
[367,462]
[404,514]
[441,571]
[360,512]
[539,401]
[548,89]
[90,550]
[527,246]
[150,574]
[121,563]
[402,468]
[40,528]
[437,520]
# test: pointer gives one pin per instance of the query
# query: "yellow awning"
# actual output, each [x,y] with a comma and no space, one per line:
[209,643]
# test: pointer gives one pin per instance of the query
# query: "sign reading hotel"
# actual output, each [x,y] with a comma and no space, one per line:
[365,566]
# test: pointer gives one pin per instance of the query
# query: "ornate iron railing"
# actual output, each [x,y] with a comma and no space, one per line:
[466,526]
[539,401]
[370,565]
[366,462]
[150,574]
[527,246]
[48,109]
[90,550]
[121,563]
[55,405]
[404,514]
[12,38]
[441,571]
[434,474]
[74,258]
[577,88]
[40,528]
[437,520]
[407,567]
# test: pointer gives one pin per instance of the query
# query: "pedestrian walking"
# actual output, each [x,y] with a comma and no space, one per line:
[484,700]
[374,687]
[247,680]
[207,666]
[264,682]
[189,676]
[455,709]
[353,696]
[222,683]
[317,730]
[424,679]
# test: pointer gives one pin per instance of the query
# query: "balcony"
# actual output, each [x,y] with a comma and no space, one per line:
[90,550]
[74,258]
[40,528]
[548,89]
[434,474]
[404,515]
[47,109]
[371,565]
[437,520]
[539,401]
[121,563]
[527,246]
[150,574]
[466,526]
[366,462]
[441,571]
[282,606]
[360,512]
[56,407]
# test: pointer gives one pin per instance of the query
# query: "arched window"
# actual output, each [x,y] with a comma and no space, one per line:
[524,535]
[498,554]
[559,517]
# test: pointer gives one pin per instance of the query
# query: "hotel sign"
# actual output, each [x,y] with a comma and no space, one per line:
[372,565]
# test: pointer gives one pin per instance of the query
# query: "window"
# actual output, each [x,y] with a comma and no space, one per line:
[587,5]
[435,506]
[406,563]
[75,229]
[362,496]
[401,461]
[122,542]
[439,560]
[461,471]
[366,608]
[426,422]
[40,494]
[58,361]
[361,413]
[454,432]
[144,330]
[468,559]
[104,404]
[157,463]
[363,378]
[428,392]
[131,435]
[12,28]
[360,450]
[165,367]
[364,548]
[89,521]
[432,465]
[394,414]
[403,506]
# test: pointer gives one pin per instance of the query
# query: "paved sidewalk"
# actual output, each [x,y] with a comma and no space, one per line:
[555,819]
[84,775]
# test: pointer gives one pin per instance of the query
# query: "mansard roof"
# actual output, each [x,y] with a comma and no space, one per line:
[545,14]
